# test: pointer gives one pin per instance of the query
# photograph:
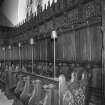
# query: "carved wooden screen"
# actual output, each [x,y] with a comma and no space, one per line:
[84,44]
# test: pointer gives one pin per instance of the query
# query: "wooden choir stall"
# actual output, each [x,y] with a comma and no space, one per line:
[55,57]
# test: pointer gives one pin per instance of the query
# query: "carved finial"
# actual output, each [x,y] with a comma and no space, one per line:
[45,7]
[48,3]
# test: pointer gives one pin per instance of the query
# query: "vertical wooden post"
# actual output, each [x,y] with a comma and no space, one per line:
[103,48]
[4,54]
[32,58]
[19,53]
[46,54]
[10,53]
[54,37]
[32,47]
[40,51]
[54,60]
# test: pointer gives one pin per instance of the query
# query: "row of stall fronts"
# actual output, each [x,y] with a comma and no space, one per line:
[49,90]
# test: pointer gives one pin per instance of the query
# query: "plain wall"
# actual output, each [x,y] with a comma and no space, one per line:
[10,10]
